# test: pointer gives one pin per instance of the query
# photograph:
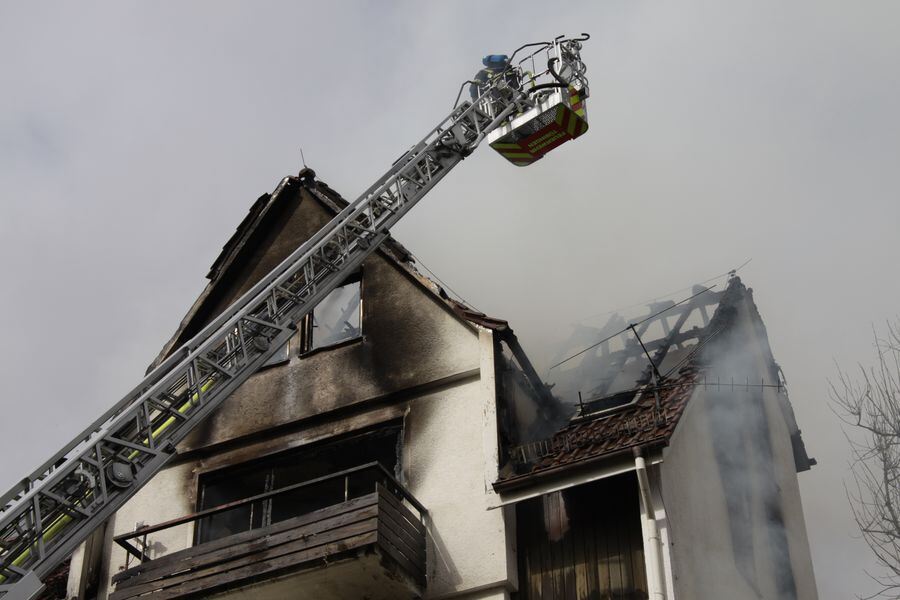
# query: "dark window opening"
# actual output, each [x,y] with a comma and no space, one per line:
[237,483]
[617,400]
[592,529]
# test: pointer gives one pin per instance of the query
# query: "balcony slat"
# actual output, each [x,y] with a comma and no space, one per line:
[259,571]
[239,544]
[387,542]
[379,530]
[264,555]
[414,521]
[411,543]
[263,548]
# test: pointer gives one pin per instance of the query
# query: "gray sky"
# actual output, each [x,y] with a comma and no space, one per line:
[134,137]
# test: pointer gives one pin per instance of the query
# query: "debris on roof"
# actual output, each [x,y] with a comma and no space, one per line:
[606,434]
[479,318]
[629,387]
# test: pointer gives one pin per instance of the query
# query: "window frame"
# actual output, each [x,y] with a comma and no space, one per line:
[393,428]
[306,329]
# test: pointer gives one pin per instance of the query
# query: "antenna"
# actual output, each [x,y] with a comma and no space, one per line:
[303,158]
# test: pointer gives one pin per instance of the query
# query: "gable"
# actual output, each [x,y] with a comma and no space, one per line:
[413,336]
[276,225]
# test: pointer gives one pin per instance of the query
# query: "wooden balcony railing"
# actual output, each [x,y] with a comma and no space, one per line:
[380,523]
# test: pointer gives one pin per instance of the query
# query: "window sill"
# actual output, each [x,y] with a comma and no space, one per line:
[356,340]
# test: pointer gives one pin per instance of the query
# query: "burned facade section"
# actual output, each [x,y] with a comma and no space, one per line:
[397,425]
[288,469]
[356,463]
[528,410]
[582,542]
[686,404]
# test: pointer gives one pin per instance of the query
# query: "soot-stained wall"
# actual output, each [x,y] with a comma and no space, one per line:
[729,480]
[416,362]
[409,339]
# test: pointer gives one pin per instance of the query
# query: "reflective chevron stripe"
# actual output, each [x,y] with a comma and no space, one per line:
[569,122]
[576,102]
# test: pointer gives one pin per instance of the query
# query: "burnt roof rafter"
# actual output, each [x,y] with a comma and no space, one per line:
[634,348]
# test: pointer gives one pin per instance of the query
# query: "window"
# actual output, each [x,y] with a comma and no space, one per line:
[230,485]
[336,319]
[595,528]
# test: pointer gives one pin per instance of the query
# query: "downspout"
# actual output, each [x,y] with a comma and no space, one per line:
[652,543]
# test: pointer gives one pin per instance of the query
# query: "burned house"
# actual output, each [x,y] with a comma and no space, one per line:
[676,476]
[401,445]
[357,463]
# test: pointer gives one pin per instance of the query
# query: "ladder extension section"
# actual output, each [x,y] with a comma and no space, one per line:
[45,517]
[51,512]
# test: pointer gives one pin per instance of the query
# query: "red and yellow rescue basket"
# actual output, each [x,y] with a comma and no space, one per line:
[529,136]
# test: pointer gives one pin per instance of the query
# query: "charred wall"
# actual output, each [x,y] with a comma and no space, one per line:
[416,362]
[409,340]
[728,479]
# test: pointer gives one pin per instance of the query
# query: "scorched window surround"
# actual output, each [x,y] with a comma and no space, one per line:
[336,319]
[236,483]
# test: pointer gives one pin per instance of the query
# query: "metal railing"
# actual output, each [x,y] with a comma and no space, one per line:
[384,477]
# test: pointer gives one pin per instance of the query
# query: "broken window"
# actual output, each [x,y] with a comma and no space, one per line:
[595,529]
[308,464]
[337,318]
[616,400]
[222,488]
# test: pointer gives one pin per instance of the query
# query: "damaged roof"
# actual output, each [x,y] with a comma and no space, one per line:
[616,418]
[261,218]
[586,440]
[473,316]
[256,216]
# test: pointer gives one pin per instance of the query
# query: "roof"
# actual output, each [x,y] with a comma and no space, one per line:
[588,439]
[403,258]
[254,220]
[623,409]
[474,316]
[262,217]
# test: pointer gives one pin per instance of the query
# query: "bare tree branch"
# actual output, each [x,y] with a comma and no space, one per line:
[870,404]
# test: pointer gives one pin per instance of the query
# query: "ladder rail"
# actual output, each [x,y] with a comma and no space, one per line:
[48,514]
[138,435]
[164,367]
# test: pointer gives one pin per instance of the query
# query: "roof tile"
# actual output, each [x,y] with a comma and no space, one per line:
[599,435]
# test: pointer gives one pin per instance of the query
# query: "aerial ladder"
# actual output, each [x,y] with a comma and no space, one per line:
[524,109]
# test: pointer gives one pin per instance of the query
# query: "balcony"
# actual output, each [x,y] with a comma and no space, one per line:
[370,544]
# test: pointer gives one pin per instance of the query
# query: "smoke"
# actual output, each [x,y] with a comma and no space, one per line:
[718,131]
[738,426]
[738,407]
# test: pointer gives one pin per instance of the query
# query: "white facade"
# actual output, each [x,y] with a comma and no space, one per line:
[421,363]
[417,362]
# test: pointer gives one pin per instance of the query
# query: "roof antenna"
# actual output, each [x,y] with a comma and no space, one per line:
[305,174]
[656,372]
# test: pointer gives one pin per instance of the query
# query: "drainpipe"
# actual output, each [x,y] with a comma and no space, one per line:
[652,543]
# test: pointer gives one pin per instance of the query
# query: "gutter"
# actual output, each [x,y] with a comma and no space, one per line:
[652,542]
[618,466]
[527,480]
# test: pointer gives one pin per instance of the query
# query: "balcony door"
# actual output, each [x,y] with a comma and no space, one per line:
[279,471]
